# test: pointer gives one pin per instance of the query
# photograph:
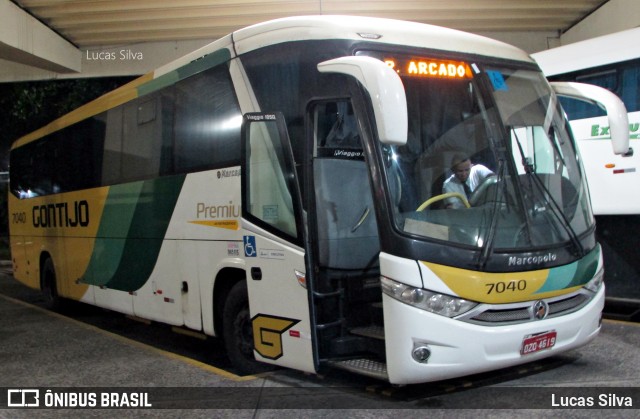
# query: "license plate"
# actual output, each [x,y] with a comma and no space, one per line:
[539,342]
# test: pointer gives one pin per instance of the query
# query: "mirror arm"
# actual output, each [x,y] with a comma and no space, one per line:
[616,111]
[385,89]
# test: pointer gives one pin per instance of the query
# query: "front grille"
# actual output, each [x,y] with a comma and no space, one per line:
[567,305]
[502,314]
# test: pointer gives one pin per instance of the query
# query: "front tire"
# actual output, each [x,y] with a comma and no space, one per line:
[238,333]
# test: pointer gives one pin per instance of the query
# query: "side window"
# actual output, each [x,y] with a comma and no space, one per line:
[336,130]
[620,78]
[78,155]
[20,182]
[629,90]
[147,137]
[207,122]
[63,161]
[112,161]
[269,181]
[33,174]
[190,126]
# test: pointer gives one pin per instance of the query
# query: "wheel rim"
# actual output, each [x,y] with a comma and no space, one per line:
[243,333]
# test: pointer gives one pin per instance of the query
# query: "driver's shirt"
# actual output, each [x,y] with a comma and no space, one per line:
[477,175]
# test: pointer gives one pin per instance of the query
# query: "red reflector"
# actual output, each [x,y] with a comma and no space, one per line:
[627,170]
[294,333]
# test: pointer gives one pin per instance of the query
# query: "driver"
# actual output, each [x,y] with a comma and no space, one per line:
[465,179]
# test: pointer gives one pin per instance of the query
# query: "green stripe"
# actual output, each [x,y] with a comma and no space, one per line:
[157,84]
[194,67]
[133,226]
[112,232]
[574,274]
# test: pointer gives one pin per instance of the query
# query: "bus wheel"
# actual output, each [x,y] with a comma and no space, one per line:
[238,333]
[49,288]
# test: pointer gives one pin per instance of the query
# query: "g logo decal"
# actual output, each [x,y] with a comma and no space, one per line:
[267,334]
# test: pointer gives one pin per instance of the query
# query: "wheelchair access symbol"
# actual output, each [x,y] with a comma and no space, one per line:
[250,246]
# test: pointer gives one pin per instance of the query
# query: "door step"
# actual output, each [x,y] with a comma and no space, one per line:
[375,332]
[363,366]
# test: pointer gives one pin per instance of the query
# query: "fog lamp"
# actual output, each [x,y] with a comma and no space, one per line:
[421,354]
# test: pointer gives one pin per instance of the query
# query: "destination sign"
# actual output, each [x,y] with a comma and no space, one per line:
[428,67]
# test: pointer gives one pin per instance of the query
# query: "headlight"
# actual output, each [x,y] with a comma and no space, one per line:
[597,281]
[442,304]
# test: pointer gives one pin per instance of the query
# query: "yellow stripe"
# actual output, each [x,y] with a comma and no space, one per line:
[228,224]
[495,288]
[71,248]
[107,101]
[621,322]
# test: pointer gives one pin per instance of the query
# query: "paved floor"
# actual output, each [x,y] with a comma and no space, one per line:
[91,352]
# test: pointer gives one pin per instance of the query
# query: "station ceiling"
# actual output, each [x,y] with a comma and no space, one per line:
[87,23]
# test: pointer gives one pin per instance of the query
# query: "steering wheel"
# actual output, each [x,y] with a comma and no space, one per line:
[478,196]
[440,197]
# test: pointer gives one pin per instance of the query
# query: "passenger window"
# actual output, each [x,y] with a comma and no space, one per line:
[147,136]
[207,122]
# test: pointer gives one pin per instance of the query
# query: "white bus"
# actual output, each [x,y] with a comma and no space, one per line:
[282,188]
[612,62]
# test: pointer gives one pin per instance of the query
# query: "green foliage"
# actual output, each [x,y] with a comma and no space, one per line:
[25,107]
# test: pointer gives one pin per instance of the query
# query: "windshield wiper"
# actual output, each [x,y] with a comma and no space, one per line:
[548,198]
[488,245]
[557,211]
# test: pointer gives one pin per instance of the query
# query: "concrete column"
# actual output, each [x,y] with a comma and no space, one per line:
[24,40]
[613,16]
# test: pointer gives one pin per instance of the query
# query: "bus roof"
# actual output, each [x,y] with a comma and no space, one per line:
[383,31]
[358,28]
[387,31]
[595,52]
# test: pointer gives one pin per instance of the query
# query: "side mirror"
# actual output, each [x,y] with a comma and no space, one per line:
[616,111]
[385,89]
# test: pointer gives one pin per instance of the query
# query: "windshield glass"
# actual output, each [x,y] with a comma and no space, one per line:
[489,161]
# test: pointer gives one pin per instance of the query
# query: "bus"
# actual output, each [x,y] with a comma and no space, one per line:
[613,62]
[283,189]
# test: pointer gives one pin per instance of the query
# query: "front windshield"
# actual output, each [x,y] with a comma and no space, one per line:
[489,161]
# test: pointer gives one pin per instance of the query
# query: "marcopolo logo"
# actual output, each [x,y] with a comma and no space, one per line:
[224,173]
[532,260]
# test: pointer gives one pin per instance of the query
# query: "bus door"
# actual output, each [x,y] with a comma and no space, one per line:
[273,245]
[344,231]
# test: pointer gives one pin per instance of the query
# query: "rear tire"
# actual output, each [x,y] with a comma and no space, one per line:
[238,333]
[49,286]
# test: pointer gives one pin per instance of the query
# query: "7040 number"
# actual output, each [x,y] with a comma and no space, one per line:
[501,287]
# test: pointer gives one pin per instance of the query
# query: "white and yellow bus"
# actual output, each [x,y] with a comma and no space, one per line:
[283,188]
